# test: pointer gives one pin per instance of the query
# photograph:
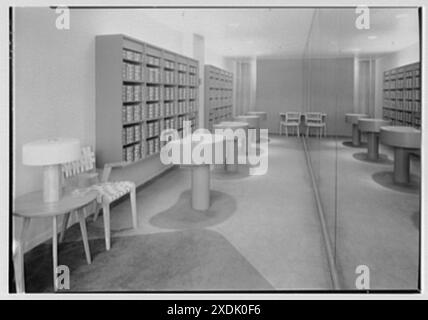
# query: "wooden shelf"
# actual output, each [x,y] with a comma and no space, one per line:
[218,95]
[120,60]
[401,95]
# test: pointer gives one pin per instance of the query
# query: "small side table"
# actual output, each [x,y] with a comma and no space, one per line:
[263,117]
[353,119]
[372,127]
[200,176]
[253,123]
[31,205]
[404,140]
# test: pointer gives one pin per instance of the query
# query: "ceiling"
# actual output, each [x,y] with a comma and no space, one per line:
[285,32]
[334,32]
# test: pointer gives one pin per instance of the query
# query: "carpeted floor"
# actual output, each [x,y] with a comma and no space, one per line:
[369,223]
[168,261]
[182,216]
[262,234]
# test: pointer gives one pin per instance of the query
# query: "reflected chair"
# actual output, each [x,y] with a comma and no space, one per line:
[108,191]
[315,120]
[289,119]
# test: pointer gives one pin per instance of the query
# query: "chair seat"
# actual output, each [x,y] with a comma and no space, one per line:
[290,123]
[109,191]
[314,124]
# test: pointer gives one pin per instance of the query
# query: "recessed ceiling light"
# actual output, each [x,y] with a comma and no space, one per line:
[233,25]
[372,37]
[249,41]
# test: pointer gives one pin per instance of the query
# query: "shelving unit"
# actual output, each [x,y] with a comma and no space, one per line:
[402,95]
[140,90]
[218,95]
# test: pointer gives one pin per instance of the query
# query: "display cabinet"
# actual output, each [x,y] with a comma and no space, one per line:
[141,90]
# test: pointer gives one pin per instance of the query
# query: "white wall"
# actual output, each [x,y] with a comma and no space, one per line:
[400,58]
[279,88]
[55,83]
[332,91]
[282,85]
[364,86]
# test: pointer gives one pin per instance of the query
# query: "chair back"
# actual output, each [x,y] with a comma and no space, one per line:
[292,117]
[313,117]
[84,164]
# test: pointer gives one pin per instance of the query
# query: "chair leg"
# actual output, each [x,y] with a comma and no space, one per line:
[54,252]
[307,132]
[82,221]
[18,258]
[286,131]
[97,211]
[298,131]
[280,129]
[133,200]
[106,218]
[64,226]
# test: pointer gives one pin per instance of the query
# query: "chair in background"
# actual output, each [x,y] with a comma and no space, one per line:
[289,119]
[315,120]
[108,191]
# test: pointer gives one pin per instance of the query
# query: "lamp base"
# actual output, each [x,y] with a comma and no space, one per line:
[52,190]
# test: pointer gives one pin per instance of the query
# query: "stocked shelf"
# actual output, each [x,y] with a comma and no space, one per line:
[218,95]
[140,90]
[402,95]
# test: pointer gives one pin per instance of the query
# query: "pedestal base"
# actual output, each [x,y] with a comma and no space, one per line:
[386,179]
[382,158]
[201,187]
[401,165]
[373,146]
[231,164]
[356,135]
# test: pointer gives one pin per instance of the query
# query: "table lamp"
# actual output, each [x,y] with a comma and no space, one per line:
[50,153]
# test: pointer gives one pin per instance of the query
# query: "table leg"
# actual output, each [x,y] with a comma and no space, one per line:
[55,251]
[372,145]
[106,218]
[82,222]
[201,187]
[356,135]
[401,166]
[64,226]
[18,258]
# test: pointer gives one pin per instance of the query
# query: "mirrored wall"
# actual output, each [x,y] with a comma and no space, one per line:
[370,218]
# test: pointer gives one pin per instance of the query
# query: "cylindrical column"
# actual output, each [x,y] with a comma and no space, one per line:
[51,183]
[232,155]
[356,135]
[372,145]
[201,187]
[401,166]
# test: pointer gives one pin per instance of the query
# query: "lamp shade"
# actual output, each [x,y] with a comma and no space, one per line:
[50,151]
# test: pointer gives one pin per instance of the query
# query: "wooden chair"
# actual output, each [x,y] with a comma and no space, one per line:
[290,119]
[315,120]
[108,191]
